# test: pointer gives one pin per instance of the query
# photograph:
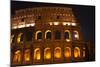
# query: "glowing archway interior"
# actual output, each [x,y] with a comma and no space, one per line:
[37,54]
[76,52]
[67,52]
[27,55]
[17,56]
[57,52]
[47,53]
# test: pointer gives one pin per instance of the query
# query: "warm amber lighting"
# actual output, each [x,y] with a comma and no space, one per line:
[47,53]
[51,23]
[27,55]
[83,52]
[76,52]
[37,54]
[37,34]
[28,25]
[17,57]
[21,26]
[76,35]
[68,40]
[32,24]
[19,37]
[14,27]
[56,23]
[12,36]
[46,33]
[64,23]
[57,52]
[67,52]
[73,24]
[68,23]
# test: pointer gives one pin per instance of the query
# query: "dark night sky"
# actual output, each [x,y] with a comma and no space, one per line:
[84,14]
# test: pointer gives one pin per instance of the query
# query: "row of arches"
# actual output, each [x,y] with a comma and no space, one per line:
[48,36]
[47,54]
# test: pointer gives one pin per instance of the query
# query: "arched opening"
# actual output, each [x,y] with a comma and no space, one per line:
[67,52]
[38,35]
[29,35]
[37,54]
[17,57]
[84,52]
[12,38]
[67,35]
[47,53]
[57,52]
[27,55]
[48,35]
[20,38]
[76,52]
[57,35]
[75,35]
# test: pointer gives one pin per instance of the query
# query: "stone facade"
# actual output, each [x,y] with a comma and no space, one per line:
[28,32]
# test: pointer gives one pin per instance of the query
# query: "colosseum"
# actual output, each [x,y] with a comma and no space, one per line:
[46,35]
